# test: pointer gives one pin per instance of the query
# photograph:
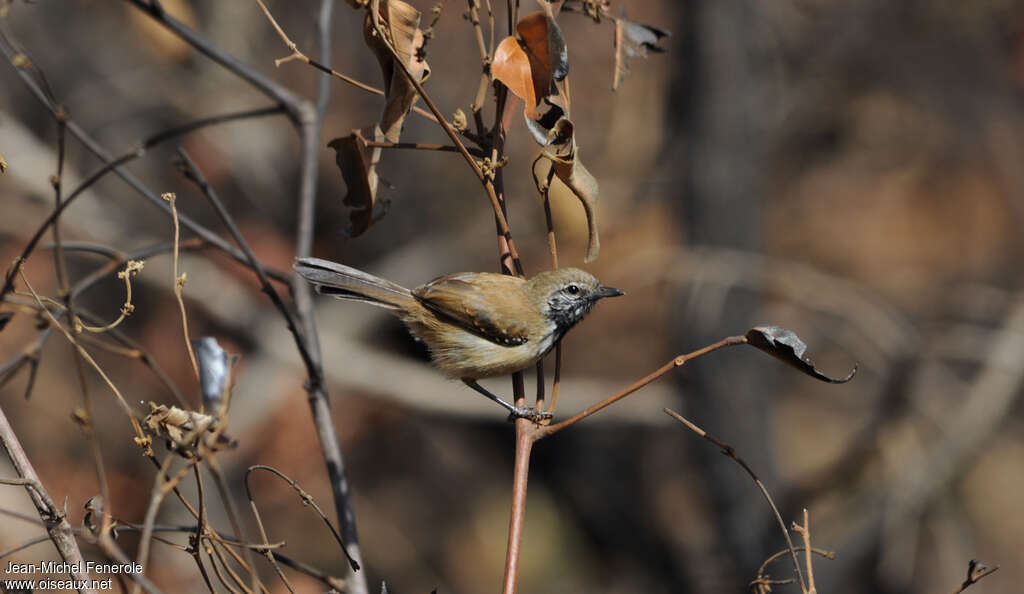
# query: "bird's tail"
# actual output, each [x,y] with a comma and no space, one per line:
[344,282]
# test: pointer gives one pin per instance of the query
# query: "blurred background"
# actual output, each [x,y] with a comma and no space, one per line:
[848,169]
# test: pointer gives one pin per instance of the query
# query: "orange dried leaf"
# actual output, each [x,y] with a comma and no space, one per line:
[512,67]
[545,46]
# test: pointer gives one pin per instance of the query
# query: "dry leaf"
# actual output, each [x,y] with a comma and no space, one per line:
[178,424]
[358,164]
[545,46]
[562,155]
[400,22]
[632,40]
[541,119]
[3,164]
[786,346]
[529,66]
[512,67]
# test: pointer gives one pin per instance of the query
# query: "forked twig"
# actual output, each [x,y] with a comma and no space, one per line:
[296,54]
[307,500]
[976,570]
[805,532]
[762,583]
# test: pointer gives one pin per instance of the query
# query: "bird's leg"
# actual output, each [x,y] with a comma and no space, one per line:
[514,412]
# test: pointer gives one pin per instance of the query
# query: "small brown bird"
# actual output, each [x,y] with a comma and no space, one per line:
[475,324]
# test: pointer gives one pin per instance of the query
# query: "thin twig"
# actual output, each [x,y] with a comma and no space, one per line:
[975,571]
[263,531]
[419,146]
[131,268]
[197,537]
[236,525]
[307,500]
[131,348]
[731,453]
[179,283]
[216,570]
[192,172]
[53,321]
[162,485]
[674,363]
[805,532]
[298,55]
[307,122]
[553,250]
[328,580]
[114,165]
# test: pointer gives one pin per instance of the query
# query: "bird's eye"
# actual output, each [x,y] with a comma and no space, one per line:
[572,289]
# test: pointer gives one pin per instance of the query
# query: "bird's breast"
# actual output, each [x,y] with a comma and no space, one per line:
[460,353]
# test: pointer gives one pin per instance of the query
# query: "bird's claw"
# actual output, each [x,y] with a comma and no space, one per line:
[527,412]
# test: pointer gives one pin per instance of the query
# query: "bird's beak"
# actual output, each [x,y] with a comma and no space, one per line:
[603,292]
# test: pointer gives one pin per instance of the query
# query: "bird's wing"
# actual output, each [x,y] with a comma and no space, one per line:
[492,306]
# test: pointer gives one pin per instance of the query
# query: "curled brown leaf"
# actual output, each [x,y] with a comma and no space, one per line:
[786,346]
[561,154]
[180,426]
[358,164]
[531,64]
[400,22]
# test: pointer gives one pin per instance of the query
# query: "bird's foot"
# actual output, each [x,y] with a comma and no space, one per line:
[528,412]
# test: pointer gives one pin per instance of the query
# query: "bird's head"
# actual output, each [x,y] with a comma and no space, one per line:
[565,295]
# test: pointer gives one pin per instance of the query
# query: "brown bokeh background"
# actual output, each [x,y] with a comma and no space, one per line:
[849,169]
